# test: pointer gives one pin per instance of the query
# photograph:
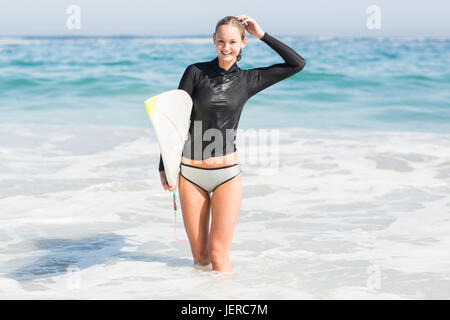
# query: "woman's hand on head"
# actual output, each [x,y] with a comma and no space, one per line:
[251,26]
[162,175]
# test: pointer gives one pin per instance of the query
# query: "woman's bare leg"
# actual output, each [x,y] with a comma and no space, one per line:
[225,206]
[195,205]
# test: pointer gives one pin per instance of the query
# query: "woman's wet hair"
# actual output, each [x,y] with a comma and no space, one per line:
[230,20]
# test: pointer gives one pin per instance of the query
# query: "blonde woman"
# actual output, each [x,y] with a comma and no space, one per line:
[210,178]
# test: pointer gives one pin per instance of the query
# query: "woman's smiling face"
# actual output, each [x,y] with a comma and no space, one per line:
[228,42]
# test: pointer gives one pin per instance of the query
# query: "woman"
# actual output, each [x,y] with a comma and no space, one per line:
[219,90]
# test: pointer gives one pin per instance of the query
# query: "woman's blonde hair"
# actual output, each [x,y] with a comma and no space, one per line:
[230,20]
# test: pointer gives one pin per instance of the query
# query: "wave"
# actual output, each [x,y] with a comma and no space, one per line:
[18,83]
[407,113]
[420,78]
[21,41]
[24,63]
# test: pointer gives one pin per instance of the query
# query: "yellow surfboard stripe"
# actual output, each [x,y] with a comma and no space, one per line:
[150,105]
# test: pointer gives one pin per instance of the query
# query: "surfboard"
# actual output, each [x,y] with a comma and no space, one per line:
[169,113]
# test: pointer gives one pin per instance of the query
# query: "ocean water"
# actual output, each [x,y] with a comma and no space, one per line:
[357,205]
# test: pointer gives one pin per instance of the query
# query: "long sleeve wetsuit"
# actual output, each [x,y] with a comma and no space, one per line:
[219,96]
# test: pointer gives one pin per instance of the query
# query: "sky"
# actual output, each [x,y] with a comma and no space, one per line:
[402,18]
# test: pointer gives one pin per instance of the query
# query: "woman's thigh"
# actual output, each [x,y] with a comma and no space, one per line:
[195,206]
[225,206]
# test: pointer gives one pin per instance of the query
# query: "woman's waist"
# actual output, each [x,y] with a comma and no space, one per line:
[213,162]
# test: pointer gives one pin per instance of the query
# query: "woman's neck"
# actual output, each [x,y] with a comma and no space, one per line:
[226,64]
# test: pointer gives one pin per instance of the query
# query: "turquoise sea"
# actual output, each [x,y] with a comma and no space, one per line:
[348,83]
[357,205]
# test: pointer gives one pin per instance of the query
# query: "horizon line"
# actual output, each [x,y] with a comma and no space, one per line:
[208,36]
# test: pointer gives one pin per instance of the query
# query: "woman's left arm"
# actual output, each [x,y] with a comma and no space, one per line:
[261,78]
[290,57]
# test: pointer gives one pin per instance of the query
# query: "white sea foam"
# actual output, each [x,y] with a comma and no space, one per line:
[347,215]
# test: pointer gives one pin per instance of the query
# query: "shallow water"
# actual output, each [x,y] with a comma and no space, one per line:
[346,214]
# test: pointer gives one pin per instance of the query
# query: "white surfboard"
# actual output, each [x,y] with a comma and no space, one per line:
[169,114]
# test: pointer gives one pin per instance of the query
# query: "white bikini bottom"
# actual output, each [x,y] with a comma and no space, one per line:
[208,179]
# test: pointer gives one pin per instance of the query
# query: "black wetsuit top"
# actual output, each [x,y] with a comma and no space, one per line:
[219,96]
